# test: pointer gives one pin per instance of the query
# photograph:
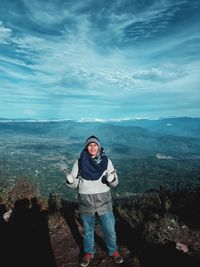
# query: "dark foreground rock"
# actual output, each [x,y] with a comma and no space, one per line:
[33,237]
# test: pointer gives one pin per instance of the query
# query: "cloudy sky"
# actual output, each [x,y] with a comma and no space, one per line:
[109,59]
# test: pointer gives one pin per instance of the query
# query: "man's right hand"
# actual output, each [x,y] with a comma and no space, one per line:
[70,178]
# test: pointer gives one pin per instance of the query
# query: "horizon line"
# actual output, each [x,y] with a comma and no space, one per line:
[100,120]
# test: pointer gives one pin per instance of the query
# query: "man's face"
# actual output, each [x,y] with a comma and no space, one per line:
[93,149]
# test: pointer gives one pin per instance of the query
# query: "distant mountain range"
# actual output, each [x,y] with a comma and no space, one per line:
[173,135]
[178,126]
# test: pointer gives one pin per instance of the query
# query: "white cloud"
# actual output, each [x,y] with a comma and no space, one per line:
[74,62]
[47,13]
[29,112]
[5,33]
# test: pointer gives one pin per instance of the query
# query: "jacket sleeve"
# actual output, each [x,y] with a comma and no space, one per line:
[72,179]
[112,177]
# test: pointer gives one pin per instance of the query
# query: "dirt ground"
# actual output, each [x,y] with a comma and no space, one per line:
[66,243]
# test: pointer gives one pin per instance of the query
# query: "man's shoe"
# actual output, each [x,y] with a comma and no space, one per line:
[86,259]
[117,257]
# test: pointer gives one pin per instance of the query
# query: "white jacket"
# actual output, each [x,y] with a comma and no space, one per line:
[102,185]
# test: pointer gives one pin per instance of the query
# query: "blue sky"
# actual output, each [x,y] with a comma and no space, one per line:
[99,59]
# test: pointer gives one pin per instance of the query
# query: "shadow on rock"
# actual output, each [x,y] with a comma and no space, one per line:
[165,255]
[25,239]
[68,210]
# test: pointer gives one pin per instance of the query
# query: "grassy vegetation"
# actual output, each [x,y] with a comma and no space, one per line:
[163,216]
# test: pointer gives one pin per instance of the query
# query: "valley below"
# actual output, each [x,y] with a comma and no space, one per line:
[145,158]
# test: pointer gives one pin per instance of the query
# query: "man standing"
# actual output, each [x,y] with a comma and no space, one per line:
[93,174]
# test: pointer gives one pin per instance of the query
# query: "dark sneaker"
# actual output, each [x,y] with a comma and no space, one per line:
[86,259]
[117,257]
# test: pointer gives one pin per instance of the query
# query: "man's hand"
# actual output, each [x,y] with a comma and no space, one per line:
[111,177]
[70,179]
